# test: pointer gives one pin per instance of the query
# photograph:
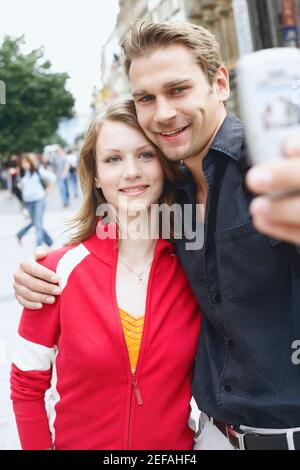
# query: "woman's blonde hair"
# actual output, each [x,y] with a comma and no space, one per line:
[85,221]
[144,37]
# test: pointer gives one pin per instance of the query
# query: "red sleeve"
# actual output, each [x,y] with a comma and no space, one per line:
[31,371]
[28,396]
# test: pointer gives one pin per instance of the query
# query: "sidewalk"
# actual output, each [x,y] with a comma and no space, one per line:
[11,253]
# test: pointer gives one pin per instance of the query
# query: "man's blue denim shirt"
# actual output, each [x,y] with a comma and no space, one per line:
[248,286]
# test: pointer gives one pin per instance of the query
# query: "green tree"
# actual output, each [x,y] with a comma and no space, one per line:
[36,99]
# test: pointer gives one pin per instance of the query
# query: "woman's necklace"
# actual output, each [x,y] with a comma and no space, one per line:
[141,276]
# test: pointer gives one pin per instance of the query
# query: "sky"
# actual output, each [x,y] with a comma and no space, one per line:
[71,33]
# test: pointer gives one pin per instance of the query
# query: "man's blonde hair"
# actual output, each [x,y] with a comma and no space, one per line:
[144,37]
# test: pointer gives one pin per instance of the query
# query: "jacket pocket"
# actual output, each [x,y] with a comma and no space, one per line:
[249,264]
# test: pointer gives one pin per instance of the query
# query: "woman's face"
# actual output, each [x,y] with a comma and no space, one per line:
[128,169]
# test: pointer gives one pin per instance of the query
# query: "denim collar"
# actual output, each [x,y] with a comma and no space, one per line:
[229,138]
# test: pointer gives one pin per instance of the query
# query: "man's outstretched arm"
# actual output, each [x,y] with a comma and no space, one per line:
[278,217]
[34,284]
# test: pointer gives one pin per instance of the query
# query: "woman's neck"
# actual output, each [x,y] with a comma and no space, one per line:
[136,253]
[136,247]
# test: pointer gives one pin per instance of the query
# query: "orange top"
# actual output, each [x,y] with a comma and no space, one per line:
[133,331]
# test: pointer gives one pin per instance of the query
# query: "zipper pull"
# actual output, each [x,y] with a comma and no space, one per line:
[137,391]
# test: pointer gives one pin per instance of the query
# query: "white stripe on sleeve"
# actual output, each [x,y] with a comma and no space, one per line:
[68,262]
[32,356]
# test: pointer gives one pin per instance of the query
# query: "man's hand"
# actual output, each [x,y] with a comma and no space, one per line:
[278,217]
[34,284]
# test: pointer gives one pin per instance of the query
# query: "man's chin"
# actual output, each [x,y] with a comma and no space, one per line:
[175,155]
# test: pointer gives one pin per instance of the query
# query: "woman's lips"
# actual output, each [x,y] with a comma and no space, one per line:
[134,190]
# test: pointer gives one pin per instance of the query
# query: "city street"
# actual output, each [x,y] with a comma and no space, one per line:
[11,220]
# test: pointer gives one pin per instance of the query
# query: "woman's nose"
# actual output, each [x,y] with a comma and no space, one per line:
[132,169]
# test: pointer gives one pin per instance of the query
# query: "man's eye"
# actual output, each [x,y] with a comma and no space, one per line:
[178,90]
[146,99]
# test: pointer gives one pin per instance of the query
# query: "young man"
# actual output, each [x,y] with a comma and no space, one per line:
[248,285]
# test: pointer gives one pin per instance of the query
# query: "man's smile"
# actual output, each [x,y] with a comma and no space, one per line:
[172,134]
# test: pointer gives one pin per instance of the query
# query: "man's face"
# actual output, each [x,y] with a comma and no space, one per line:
[176,106]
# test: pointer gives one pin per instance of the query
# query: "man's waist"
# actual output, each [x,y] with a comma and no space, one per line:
[250,438]
[236,405]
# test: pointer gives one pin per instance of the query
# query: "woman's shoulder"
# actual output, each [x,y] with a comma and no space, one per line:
[55,256]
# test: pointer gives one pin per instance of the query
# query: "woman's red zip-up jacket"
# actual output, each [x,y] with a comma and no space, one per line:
[76,349]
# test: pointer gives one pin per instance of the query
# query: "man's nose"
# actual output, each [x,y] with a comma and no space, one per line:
[165,111]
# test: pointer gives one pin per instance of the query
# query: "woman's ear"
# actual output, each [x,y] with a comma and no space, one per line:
[97,182]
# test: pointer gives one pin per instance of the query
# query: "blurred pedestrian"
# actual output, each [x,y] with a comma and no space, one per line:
[72,159]
[3,179]
[62,169]
[35,182]
[14,178]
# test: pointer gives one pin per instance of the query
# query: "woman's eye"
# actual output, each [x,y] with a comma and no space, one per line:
[146,155]
[113,159]
[178,90]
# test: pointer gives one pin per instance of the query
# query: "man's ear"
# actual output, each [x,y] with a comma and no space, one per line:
[221,83]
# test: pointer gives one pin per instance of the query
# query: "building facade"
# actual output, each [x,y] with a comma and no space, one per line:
[275,23]
[114,82]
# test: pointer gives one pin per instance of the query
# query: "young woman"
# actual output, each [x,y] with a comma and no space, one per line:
[34,196]
[118,345]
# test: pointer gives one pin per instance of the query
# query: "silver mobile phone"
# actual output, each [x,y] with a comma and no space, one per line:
[269,95]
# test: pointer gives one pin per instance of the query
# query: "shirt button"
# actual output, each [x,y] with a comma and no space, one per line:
[217,299]
[230,344]
[227,388]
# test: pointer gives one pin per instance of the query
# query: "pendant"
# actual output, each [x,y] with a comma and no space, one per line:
[141,280]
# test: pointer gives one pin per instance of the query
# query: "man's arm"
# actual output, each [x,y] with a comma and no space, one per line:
[277,217]
[35,284]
